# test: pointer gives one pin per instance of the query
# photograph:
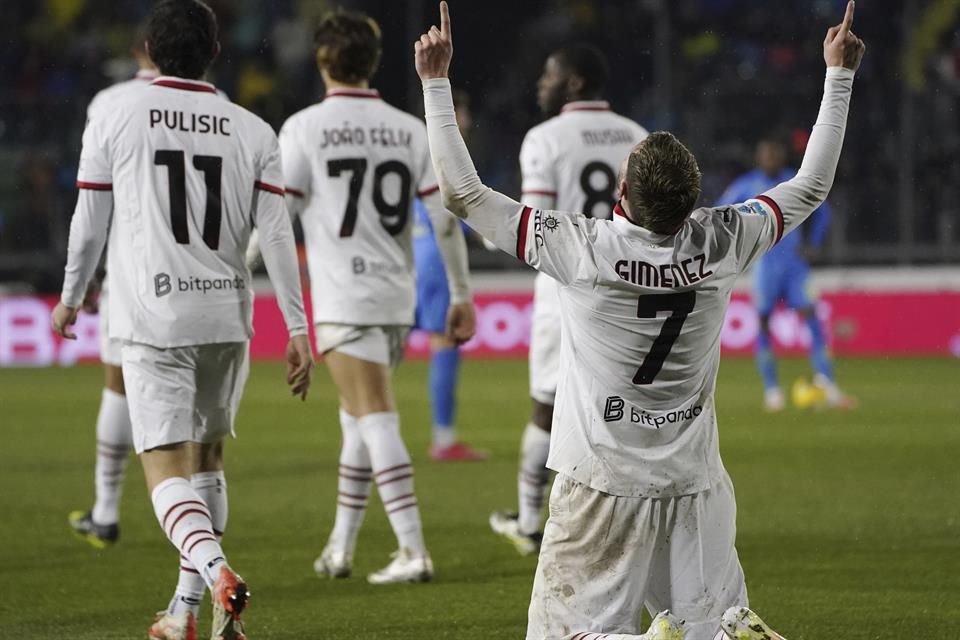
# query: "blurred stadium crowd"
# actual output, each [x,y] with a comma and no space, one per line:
[719,73]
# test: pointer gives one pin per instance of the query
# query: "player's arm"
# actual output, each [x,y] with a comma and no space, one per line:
[453,250]
[514,228]
[280,256]
[88,228]
[790,203]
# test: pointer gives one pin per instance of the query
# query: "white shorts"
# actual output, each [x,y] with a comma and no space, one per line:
[183,394]
[545,340]
[604,557]
[381,344]
[110,350]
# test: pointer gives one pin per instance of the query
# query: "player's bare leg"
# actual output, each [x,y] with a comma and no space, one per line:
[444,370]
[740,623]
[100,526]
[188,521]
[523,529]
[366,394]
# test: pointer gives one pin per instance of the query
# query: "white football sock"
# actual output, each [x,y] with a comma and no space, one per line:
[394,475]
[114,438]
[185,518]
[212,488]
[353,485]
[533,477]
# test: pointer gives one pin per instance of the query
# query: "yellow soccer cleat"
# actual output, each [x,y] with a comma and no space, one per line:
[98,536]
[740,623]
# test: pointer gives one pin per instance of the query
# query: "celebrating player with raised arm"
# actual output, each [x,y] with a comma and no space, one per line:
[569,163]
[353,165]
[179,176]
[642,511]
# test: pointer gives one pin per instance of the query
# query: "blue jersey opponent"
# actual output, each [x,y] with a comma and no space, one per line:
[782,274]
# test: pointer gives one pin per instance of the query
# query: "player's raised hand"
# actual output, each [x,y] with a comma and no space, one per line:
[62,318]
[461,322]
[434,50]
[842,48]
[299,365]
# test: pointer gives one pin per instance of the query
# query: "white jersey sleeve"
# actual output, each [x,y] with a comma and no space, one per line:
[760,223]
[296,168]
[275,237]
[539,180]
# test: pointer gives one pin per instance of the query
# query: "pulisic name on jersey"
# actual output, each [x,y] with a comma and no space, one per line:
[664,276]
[190,122]
[381,136]
[602,137]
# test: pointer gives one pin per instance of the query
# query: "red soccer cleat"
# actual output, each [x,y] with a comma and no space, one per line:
[457,452]
[230,597]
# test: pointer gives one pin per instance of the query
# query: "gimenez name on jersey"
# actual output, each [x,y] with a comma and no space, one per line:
[164,284]
[616,409]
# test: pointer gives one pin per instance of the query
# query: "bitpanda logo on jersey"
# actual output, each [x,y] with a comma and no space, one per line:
[614,410]
[164,284]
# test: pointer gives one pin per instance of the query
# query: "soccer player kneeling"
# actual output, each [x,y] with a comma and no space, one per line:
[179,176]
[642,511]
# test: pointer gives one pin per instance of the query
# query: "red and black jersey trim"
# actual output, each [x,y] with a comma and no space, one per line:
[94,186]
[522,234]
[426,192]
[767,200]
[185,86]
[266,186]
[354,93]
[296,193]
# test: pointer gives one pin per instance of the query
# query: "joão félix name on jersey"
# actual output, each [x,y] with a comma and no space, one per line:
[164,284]
[614,410]
[190,122]
[381,136]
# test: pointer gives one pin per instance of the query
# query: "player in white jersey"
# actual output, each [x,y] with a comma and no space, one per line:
[352,166]
[642,512]
[100,525]
[569,163]
[180,176]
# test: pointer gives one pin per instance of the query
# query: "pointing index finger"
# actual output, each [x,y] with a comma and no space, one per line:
[445,29]
[848,18]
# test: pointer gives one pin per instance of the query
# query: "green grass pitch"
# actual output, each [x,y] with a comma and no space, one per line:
[849,523]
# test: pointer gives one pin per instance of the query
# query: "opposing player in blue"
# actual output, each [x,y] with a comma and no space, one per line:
[433,300]
[782,274]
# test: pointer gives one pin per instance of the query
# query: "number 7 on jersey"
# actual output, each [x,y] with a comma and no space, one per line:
[681,305]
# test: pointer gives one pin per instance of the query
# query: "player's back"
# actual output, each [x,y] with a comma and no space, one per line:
[575,157]
[106,98]
[642,319]
[185,166]
[358,163]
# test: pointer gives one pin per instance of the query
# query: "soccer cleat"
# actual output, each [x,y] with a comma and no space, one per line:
[457,452]
[333,564]
[740,623]
[170,627]
[405,567]
[773,400]
[230,597]
[665,626]
[99,536]
[507,525]
[834,398]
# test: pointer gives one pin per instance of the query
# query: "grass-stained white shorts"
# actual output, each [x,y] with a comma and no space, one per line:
[605,557]
[381,344]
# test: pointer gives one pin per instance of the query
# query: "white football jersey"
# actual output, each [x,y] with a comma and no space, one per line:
[354,165]
[186,168]
[570,163]
[118,91]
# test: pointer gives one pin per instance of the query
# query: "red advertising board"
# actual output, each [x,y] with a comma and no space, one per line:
[859,323]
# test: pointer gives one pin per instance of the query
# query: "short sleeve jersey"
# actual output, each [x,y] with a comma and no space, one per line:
[186,168]
[358,163]
[642,316]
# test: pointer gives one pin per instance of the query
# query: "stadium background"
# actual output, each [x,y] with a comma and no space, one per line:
[849,524]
